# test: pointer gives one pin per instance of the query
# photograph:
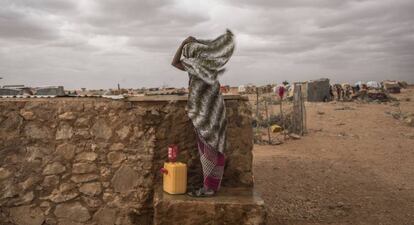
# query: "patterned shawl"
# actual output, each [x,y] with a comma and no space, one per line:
[204,61]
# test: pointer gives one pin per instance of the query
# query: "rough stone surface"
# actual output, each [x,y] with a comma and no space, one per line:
[231,206]
[4,173]
[101,130]
[84,168]
[64,132]
[81,178]
[86,156]
[116,157]
[50,181]
[125,179]
[27,115]
[54,168]
[66,150]
[36,132]
[91,189]
[26,215]
[72,211]
[105,216]
[123,132]
[67,116]
[101,157]
[117,147]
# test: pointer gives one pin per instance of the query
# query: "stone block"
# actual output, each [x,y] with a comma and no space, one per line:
[125,179]
[26,215]
[67,151]
[83,168]
[91,189]
[54,168]
[239,206]
[75,212]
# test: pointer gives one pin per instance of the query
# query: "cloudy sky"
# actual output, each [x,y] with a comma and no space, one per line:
[99,43]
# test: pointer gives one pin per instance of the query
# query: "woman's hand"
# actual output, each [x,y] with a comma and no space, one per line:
[189,39]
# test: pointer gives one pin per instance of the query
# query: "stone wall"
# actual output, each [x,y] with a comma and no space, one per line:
[95,161]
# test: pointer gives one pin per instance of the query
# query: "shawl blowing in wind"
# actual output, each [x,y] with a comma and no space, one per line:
[204,61]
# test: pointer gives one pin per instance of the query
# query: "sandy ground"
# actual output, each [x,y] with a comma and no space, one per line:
[355,166]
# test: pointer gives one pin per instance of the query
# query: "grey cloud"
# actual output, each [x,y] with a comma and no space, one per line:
[97,43]
[17,25]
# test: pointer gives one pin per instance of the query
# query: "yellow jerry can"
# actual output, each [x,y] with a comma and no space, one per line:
[174,177]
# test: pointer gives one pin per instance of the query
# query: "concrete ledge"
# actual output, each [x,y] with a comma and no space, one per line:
[230,206]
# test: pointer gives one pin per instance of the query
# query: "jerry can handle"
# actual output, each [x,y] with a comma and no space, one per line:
[163,171]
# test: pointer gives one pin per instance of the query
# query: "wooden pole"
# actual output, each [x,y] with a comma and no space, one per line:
[268,123]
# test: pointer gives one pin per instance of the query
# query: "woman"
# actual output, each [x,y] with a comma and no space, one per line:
[204,61]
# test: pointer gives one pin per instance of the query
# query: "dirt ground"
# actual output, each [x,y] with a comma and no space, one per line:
[355,166]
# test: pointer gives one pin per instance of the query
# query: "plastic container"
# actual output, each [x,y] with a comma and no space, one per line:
[174,177]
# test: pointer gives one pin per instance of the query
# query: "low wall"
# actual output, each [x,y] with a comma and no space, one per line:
[72,161]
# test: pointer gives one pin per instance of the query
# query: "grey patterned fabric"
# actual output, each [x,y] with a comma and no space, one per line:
[204,61]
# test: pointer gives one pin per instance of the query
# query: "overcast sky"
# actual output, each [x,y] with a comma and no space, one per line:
[99,43]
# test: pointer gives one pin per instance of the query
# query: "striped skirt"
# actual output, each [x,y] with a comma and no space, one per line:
[212,163]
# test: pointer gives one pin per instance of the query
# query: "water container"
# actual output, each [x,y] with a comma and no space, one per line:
[174,177]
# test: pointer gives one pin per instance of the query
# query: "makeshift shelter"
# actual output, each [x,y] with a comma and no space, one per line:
[318,90]
[392,86]
[374,84]
[359,83]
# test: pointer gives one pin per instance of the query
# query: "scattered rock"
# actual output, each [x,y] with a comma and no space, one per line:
[54,168]
[86,156]
[67,151]
[81,178]
[72,211]
[26,215]
[64,132]
[345,108]
[320,113]
[83,168]
[91,189]
[117,147]
[124,179]
[409,121]
[295,136]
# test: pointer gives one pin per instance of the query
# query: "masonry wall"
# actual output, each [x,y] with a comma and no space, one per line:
[95,161]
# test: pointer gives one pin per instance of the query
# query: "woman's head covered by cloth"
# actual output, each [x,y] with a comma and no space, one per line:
[209,54]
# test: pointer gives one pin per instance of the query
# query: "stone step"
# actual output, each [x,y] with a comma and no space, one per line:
[230,206]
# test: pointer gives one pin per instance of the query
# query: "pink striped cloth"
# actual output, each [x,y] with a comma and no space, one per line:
[212,162]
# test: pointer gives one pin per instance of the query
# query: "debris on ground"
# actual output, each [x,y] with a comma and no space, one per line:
[276,128]
[294,136]
[320,113]
[344,108]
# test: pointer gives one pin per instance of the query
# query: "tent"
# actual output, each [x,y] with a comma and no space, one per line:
[373,84]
